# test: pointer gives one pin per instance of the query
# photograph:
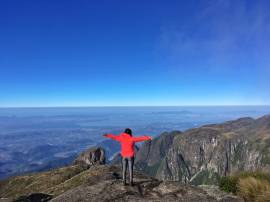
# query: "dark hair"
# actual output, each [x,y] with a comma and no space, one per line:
[128,131]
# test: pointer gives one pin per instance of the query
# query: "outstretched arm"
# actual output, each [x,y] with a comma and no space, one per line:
[141,138]
[114,137]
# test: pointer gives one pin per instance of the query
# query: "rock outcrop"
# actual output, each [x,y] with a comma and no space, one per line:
[92,156]
[102,183]
[110,188]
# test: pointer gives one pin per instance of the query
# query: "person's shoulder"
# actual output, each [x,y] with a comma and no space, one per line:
[121,135]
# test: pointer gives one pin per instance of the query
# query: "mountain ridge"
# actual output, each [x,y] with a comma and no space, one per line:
[204,154]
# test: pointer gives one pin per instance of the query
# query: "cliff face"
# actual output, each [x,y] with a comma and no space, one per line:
[151,153]
[202,155]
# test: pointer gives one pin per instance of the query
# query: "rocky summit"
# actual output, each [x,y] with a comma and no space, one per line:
[109,188]
[100,182]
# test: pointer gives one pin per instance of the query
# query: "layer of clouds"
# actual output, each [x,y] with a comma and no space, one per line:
[223,37]
[221,30]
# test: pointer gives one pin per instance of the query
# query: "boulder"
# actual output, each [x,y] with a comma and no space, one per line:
[92,156]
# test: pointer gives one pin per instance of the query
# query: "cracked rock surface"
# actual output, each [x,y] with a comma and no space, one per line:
[104,184]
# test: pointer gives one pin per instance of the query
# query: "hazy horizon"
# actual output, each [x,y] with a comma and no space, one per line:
[80,110]
[34,139]
[90,106]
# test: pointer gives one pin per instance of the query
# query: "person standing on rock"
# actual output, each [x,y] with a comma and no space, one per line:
[127,142]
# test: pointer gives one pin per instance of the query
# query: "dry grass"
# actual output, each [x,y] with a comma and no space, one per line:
[252,189]
[55,182]
[37,182]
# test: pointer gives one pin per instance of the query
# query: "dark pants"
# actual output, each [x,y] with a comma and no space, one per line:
[127,161]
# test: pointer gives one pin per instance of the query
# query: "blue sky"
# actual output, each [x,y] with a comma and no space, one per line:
[122,53]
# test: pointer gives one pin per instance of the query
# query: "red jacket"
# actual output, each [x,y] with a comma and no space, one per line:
[127,142]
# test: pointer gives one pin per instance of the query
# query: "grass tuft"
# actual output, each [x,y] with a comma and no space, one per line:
[252,189]
[251,186]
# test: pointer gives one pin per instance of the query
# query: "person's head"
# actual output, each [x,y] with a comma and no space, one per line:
[128,131]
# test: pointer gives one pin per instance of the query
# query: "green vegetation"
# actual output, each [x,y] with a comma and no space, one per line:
[267,142]
[206,177]
[150,170]
[252,186]
[266,159]
[238,153]
[229,184]
[265,150]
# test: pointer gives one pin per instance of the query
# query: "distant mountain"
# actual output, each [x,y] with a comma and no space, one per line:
[201,155]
